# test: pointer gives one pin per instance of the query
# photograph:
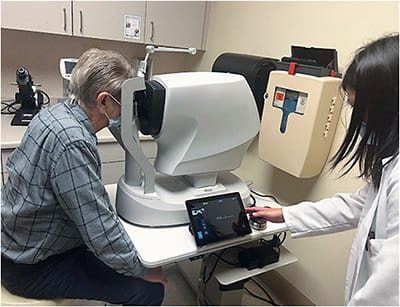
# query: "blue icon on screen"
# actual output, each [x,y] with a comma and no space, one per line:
[200,235]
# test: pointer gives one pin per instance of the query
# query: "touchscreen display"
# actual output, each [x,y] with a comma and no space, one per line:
[217,218]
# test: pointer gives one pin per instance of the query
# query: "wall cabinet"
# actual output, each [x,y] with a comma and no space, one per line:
[115,20]
[41,16]
[100,19]
[165,23]
[176,23]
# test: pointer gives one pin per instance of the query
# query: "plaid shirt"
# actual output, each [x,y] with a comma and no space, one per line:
[54,199]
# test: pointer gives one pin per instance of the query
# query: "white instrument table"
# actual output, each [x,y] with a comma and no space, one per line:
[161,246]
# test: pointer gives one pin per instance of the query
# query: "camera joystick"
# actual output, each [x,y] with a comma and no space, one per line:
[257,223]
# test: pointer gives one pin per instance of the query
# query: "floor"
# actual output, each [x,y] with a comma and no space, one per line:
[179,293]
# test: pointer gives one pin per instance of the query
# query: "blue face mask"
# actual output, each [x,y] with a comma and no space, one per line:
[363,132]
[114,122]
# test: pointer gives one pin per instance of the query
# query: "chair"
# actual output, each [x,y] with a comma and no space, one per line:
[8,299]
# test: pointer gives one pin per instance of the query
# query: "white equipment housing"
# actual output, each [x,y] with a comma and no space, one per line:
[209,121]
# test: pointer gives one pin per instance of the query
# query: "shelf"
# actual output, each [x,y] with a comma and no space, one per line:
[227,274]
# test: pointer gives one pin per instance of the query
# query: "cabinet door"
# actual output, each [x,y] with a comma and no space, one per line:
[41,16]
[115,20]
[176,23]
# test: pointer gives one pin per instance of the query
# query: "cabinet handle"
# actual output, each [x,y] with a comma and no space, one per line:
[65,19]
[81,21]
[152,30]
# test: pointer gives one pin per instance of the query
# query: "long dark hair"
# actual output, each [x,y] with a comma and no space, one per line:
[374,77]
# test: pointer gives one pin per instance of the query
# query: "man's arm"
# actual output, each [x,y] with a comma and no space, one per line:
[77,184]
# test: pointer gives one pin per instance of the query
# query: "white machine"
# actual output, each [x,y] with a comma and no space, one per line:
[66,67]
[203,123]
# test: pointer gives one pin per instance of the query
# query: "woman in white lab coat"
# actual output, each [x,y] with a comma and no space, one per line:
[372,85]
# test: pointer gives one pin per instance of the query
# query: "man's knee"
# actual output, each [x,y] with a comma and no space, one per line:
[157,296]
[151,294]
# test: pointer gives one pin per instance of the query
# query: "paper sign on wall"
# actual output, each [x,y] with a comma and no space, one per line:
[132,27]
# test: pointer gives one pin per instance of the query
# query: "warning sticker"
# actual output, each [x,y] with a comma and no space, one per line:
[132,27]
[279,97]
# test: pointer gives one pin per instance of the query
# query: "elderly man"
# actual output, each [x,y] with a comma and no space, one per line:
[60,238]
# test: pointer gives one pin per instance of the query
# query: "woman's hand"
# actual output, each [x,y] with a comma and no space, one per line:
[273,215]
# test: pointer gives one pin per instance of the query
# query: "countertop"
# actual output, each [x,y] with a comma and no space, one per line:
[11,136]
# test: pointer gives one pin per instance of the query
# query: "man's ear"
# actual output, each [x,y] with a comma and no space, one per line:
[101,101]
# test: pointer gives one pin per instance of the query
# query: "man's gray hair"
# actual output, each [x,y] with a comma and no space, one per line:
[97,71]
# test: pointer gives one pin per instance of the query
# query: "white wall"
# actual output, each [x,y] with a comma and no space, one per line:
[269,28]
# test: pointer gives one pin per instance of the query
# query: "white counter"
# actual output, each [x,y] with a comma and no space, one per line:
[11,136]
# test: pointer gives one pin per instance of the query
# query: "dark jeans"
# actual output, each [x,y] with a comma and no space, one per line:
[77,274]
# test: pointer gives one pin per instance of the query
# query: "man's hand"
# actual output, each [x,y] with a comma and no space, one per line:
[155,275]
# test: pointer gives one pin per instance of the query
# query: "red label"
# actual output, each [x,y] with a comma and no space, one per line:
[280,96]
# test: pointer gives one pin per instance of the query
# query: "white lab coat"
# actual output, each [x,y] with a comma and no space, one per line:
[372,276]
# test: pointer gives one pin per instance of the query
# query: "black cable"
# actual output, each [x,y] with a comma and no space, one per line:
[284,237]
[203,276]
[8,106]
[265,195]
[259,297]
[265,291]
[46,95]
[206,280]
[254,201]
[219,258]
[275,242]
[224,260]
[214,267]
